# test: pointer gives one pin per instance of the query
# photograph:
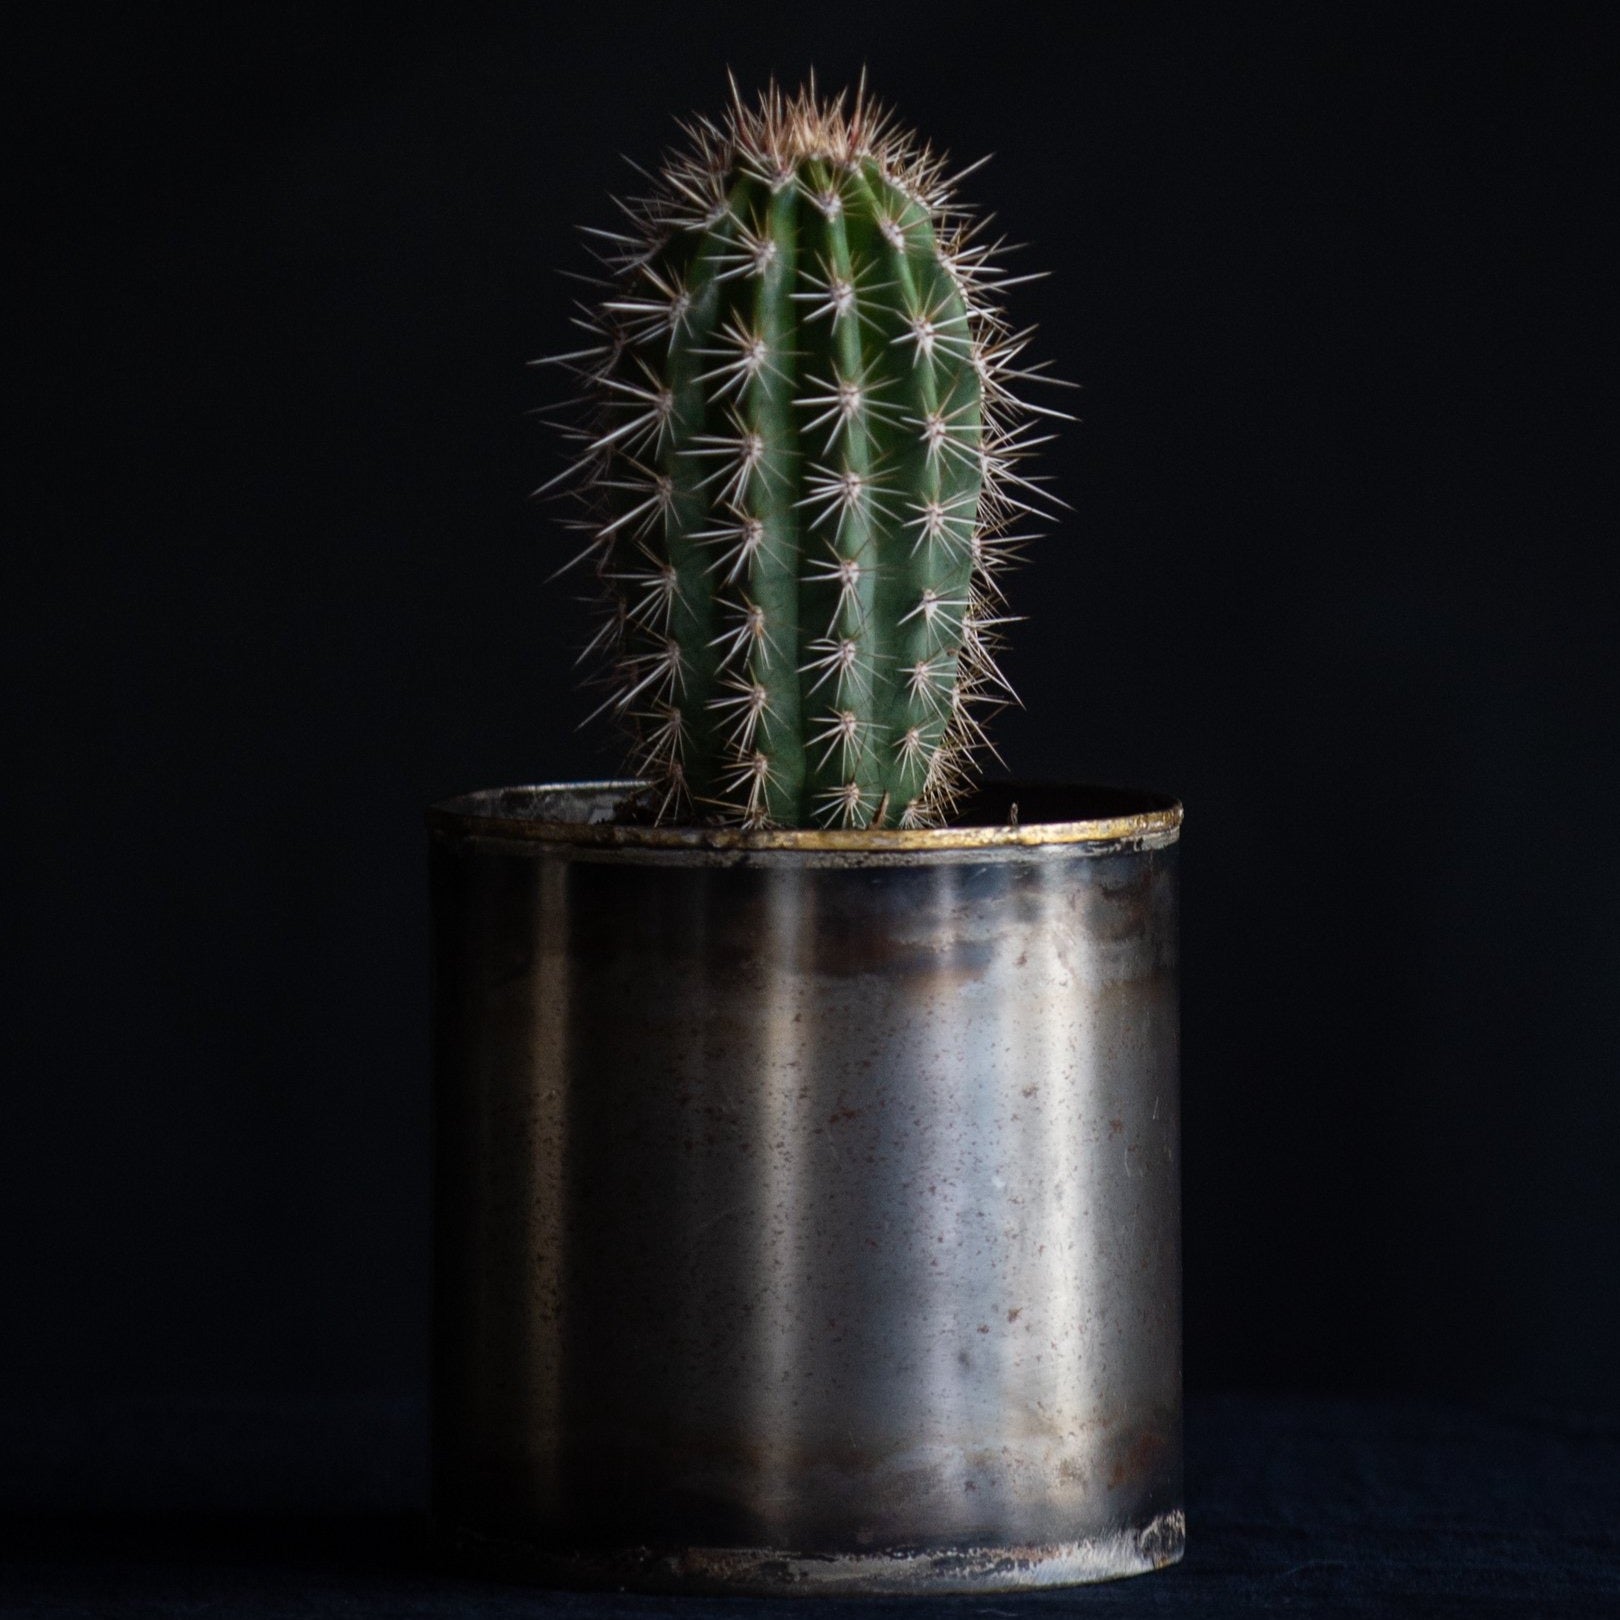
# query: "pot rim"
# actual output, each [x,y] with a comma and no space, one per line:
[1101,816]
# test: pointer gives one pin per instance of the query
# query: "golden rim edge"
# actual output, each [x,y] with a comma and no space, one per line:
[1161,825]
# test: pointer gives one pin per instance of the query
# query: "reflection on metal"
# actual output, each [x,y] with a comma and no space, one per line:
[807,1213]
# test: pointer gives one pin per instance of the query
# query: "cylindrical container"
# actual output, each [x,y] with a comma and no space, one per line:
[807,1203]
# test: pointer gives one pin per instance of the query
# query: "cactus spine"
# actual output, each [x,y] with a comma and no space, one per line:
[798,478]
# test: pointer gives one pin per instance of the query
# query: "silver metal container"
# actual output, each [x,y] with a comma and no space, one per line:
[807,1202]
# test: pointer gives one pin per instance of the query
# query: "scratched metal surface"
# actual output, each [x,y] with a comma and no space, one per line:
[807,1226]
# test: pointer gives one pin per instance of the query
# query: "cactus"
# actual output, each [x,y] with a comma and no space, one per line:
[799,474]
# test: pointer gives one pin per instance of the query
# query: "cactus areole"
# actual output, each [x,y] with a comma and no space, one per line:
[799,475]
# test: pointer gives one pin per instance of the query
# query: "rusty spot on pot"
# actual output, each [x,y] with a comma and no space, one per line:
[1138,1458]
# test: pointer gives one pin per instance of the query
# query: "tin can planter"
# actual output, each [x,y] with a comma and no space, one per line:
[807,1203]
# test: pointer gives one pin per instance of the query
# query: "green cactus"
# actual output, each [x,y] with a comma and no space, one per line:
[798,478]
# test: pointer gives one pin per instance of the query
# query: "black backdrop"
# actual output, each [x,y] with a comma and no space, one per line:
[1329,279]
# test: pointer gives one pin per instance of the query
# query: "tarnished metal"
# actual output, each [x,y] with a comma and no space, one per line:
[808,1214]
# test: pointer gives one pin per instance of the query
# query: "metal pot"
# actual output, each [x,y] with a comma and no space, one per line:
[807,1203]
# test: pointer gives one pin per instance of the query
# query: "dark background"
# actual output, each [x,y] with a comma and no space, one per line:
[1328,277]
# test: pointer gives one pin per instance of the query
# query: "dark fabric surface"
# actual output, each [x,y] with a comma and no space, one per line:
[1294,1506]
